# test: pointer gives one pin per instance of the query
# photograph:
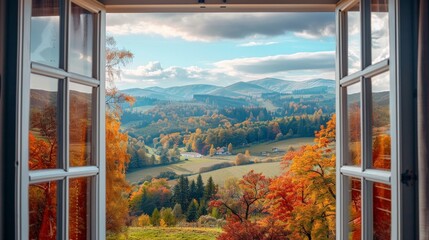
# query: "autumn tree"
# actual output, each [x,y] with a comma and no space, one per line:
[212,151]
[303,198]
[230,148]
[117,158]
[155,217]
[243,198]
[150,195]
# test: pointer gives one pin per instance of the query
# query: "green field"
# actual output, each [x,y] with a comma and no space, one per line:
[283,145]
[170,233]
[219,176]
[191,166]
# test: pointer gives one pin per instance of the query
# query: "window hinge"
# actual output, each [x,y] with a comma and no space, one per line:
[407,177]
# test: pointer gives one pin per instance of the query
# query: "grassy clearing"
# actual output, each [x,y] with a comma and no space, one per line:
[190,166]
[170,233]
[193,165]
[219,176]
[283,145]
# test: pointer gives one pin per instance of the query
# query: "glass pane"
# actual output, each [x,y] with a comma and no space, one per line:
[79,200]
[381,150]
[354,39]
[379,30]
[45,32]
[382,214]
[43,210]
[354,123]
[355,208]
[81,40]
[43,137]
[80,124]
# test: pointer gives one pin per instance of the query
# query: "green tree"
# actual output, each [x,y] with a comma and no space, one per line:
[177,211]
[200,188]
[156,216]
[202,209]
[168,216]
[192,190]
[192,213]
[210,189]
[181,192]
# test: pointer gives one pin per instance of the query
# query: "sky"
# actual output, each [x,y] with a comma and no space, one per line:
[223,48]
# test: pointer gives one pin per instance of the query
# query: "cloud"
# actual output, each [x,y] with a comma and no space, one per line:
[208,27]
[280,63]
[153,74]
[298,66]
[254,44]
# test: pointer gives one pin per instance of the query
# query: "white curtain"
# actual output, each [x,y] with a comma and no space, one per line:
[423,119]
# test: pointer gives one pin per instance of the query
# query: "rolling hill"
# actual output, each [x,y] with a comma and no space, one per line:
[237,90]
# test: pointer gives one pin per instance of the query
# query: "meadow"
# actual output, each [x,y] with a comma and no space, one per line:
[192,165]
[282,146]
[170,233]
[219,176]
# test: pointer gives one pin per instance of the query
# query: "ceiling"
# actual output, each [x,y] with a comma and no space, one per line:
[126,6]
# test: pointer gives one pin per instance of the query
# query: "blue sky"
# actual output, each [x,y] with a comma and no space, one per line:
[223,48]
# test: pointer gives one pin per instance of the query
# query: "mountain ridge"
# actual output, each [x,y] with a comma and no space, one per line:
[238,89]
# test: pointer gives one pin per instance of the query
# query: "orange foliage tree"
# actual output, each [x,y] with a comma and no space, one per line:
[117,158]
[303,198]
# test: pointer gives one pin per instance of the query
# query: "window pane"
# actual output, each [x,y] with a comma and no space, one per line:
[354,39]
[80,124]
[379,30]
[79,200]
[81,40]
[44,115]
[382,214]
[355,208]
[354,124]
[381,150]
[45,32]
[43,210]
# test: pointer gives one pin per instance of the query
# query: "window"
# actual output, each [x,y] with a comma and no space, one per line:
[366,121]
[63,179]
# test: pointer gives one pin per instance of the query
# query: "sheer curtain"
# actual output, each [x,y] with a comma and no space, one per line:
[423,119]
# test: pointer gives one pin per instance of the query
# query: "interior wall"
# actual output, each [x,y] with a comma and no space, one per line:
[9,66]
[2,24]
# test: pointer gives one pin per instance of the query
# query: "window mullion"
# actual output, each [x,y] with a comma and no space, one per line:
[367,192]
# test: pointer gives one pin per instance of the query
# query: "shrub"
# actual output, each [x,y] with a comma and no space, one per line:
[170,175]
[168,217]
[241,159]
[216,167]
[143,220]
[207,221]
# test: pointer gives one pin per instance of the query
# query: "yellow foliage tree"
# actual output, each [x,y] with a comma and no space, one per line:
[303,198]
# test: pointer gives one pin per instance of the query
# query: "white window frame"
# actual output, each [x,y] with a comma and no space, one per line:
[365,173]
[96,172]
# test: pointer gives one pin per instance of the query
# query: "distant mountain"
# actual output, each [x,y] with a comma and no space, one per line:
[189,91]
[139,92]
[273,84]
[237,90]
[247,89]
[222,92]
[288,86]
